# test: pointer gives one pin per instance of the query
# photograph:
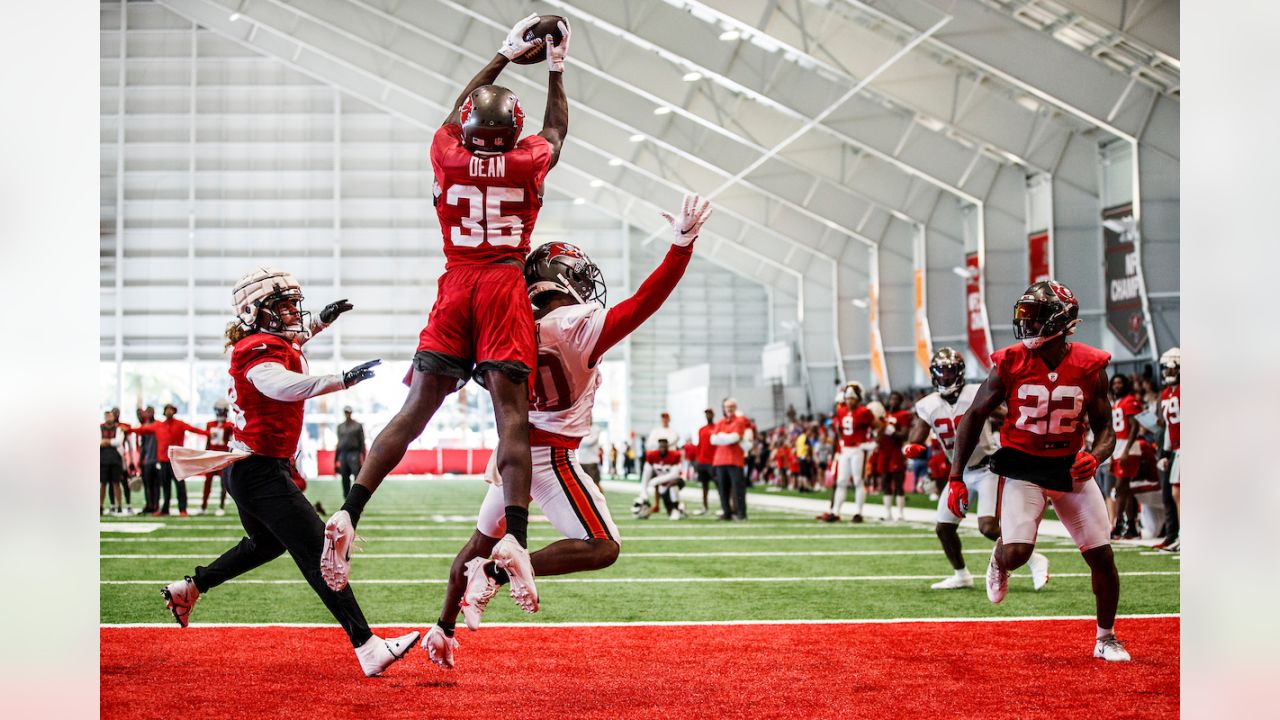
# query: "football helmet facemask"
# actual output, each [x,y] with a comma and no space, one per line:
[491,119]
[220,407]
[1046,310]
[258,297]
[946,372]
[1171,366]
[559,267]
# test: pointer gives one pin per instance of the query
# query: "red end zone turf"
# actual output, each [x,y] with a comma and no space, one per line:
[1029,669]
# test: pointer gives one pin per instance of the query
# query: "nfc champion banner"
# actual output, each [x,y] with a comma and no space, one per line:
[1126,291]
[979,330]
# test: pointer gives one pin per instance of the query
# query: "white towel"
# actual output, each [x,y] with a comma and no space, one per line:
[188,462]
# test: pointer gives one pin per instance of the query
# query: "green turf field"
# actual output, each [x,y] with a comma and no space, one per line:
[779,565]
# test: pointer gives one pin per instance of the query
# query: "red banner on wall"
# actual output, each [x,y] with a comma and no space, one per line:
[979,332]
[1125,289]
[1038,254]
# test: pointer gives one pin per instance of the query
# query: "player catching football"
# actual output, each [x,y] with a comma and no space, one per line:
[488,191]
[941,412]
[269,387]
[1052,388]
[574,331]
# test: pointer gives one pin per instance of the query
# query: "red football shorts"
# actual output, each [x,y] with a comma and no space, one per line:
[481,320]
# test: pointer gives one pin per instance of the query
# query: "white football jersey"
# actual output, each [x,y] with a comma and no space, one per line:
[944,418]
[564,388]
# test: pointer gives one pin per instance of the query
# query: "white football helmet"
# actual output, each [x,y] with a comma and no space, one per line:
[221,406]
[854,391]
[1171,366]
[876,408]
[257,293]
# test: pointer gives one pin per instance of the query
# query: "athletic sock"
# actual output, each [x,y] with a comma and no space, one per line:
[902,506]
[860,496]
[355,502]
[963,573]
[496,573]
[1104,632]
[888,507]
[447,626]
[517,524]
[837,500]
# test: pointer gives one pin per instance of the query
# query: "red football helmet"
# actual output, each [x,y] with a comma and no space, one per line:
[1046,310]
[491,119]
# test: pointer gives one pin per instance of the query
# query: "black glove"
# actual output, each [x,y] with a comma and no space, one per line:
[333,310]
[359,373]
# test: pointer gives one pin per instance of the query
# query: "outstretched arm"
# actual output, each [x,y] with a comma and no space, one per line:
[486,76]
[555,121]
[989,397]
[627,315]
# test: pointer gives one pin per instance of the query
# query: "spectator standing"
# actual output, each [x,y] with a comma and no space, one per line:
[729,460]
[150,464]
[169,432]
[130,468]
[110,463]
[702,463]
[351,449]
[613,460]
[628,460]
[220,434]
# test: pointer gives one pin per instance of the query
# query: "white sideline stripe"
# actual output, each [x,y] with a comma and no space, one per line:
[669,623]
[662,525]
[596,581]
[748,553]
[553,538]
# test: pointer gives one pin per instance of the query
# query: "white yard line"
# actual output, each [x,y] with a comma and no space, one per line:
[667,623]
[748,553]
[553,538]
[598,581]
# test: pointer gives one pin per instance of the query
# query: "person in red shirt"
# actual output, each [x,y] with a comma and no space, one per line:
[1124,462]
[170,432]
[221,432]
[270,385]
[892,466]
[488,191]
[728,437]
[1055,391]
[1170,418]
[702,462]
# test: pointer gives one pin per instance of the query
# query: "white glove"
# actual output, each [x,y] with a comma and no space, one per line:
[690,221]
[515,44]
[1162,464]
[557,53]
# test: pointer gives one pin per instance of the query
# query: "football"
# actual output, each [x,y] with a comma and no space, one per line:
[546,25]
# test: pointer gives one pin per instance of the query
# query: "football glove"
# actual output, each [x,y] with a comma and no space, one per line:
[913,450]
[692,216]
[557,53]
[359,373]
[515,44]
[1162,464]
[957,497]
[333,310]
[1084,467]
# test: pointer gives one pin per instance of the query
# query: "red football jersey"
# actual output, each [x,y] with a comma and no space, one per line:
[854,426]
[690,452]
[220,434]
[663,464]
[267,427]
[706,451]
[487,204]
[1171,411]
[891,458]
[1122,411]
[1047,407]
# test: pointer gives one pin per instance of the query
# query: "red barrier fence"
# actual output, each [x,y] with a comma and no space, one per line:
[470,461]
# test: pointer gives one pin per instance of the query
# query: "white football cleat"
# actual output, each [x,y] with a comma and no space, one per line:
[377,654]
[997,579]
[515,560]
[180,597]
[439,647]
[958,581]
[1110,649]
[677,514]
[479,591]
[219,512]
[1039,566]
[335,557]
